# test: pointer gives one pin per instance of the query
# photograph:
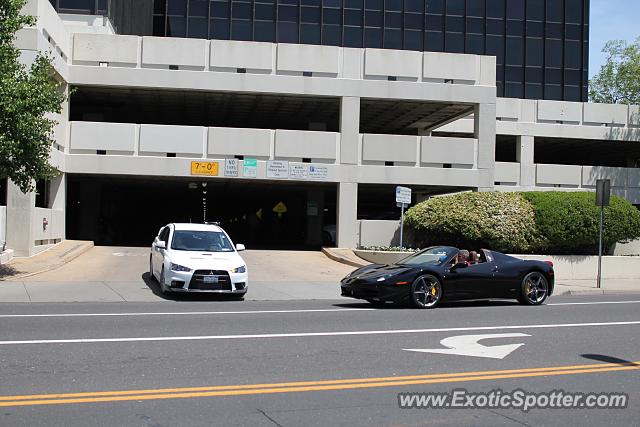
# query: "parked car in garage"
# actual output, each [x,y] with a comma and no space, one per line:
[443,272]
[198,258]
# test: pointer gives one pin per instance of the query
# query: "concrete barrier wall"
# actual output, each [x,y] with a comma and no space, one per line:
[166,51]
[379,233]
[296,144]
[3,224]
[582,267]
[381,257]
[631,248]
[55,228]
[185,140]
[92,136]
[440,150]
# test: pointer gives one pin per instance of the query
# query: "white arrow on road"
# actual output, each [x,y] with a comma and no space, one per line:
[467,345]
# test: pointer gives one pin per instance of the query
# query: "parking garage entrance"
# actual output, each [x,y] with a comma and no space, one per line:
[129,211]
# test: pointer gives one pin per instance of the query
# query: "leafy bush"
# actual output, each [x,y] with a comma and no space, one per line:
[501,221]
[570,222]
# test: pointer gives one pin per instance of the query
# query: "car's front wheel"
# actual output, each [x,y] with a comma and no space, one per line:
[426,291]
[534,289]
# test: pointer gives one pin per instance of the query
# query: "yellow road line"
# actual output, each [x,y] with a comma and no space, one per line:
[255,389]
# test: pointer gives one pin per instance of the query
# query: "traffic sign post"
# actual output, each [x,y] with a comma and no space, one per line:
[403,197]
[603,195]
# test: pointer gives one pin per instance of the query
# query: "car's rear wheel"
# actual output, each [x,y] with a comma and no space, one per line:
[534,289]
[426,291]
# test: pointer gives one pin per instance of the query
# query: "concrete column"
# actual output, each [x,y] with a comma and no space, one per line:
[58,199]
[485,132]
[347,227]
[349,129]
[20,213]
[524,155]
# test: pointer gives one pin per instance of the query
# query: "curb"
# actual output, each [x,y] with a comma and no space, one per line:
[580,292]
[339,258]
[68,256]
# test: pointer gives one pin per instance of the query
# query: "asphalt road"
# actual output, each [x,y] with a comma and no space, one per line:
[312,363]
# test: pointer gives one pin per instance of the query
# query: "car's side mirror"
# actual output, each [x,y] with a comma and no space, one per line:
[458,265]
[161,244]
[240,247]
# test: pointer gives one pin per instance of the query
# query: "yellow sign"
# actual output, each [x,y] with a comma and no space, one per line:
[204,168]
[280,208]
[259,214]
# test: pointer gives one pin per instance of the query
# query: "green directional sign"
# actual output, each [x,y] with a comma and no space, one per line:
[250,168]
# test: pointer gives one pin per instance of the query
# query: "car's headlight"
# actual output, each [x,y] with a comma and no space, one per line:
[241,269]
[178,267]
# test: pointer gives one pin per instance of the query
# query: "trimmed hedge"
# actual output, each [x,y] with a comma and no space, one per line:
[533,222]
[570,222]
[501,221]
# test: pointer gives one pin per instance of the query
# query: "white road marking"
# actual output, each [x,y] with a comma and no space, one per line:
[595,303]
[468,345]
[183,313]
[313,334]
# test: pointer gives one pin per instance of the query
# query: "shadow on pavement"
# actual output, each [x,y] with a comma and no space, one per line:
[153,284]
[443,304]
[609,359]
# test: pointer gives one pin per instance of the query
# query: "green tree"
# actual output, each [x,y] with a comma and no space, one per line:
[618,81]
[27,95]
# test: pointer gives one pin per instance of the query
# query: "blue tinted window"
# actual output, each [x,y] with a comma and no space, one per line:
[264,31]
[352,36]
[372,37]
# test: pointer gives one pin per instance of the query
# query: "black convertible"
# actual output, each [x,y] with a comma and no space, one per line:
[426,277]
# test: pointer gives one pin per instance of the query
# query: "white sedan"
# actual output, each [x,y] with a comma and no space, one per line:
[198,258]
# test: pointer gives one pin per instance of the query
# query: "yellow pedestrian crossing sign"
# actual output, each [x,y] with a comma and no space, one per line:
[280,208]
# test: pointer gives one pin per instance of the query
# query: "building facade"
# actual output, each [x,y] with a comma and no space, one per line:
[289,144]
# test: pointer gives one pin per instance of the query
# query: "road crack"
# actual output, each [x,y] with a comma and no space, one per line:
[268,417]
[509,418]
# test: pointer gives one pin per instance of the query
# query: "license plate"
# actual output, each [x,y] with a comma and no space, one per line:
[210,279]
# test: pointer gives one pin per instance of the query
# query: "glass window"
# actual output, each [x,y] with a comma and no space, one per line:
[373,19]
[331,35]
[303,2]
[454,42]
[267,12]
[352,36]
[241,10]
[354,4]
[158,26]
[495,47]
[219,29]
[513,90]
[515,9]
[535,10]
[176,26]
[434,41]
[177,7]
[414,6]
[392,38]
[373,37]
[553,53]
[475,25]
[475,8]
[572,77]
[265,31]
[474,44]
[533,75]
[241,30]
[160,6]
[435,22]
[413,21]
[199,8]
[287,13]
[495,9]
[514,51]
[514,74]
[198,28]
[532,91]
[332,3]
[455,7]
[393,20]
[573,11]
[573,31]
[572,54]
[373,4]
[201,241]
[553,92]
[553,76]
[555,10]
[393,5]
[310,33]
[435,6]
[515,28]
[287,32]
[572,93]
[220,9]
[495,26]
[412,40]
[535,51]
[535,29]
[332,16]
[553,31]
[455,24]
[353,17]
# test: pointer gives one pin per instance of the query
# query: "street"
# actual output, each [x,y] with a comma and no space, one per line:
[325,362]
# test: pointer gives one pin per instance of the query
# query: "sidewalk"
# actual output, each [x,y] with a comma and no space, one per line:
[55,257]
[588,287]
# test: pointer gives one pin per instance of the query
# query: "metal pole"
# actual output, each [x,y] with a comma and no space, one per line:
[600,247]
[401,222]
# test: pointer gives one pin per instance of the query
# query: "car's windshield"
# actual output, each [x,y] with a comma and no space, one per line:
[205,241]
[436,255]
